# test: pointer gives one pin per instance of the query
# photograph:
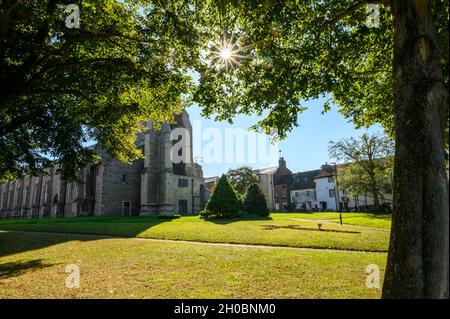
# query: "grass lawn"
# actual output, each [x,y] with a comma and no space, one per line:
[32,265]
[254,231]
[357,219]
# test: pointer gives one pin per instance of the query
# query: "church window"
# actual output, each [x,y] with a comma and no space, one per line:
[182,182]
[84,207]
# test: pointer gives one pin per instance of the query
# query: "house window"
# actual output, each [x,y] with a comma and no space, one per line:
[296,194]
[332,192]
[182,182]
[330,179]
[124,178]
[308,194]
[284,195]
[276,195]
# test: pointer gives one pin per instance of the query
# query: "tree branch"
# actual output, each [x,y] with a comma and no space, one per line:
[350,10]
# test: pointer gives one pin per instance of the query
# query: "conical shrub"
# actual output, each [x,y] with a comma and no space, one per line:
[255,201]
[224,201]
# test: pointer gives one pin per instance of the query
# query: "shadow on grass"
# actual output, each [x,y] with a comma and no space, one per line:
[17,268]
[17,237]
[224,221]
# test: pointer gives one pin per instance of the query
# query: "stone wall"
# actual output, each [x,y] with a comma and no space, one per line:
[120,184]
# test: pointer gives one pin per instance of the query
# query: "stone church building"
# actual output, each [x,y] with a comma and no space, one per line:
[155,185]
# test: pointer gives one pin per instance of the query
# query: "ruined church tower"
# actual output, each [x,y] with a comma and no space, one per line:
[168,185]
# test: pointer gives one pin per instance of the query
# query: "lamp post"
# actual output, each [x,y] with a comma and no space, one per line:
[338,202]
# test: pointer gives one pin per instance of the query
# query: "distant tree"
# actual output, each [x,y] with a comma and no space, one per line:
[241,178]
[224,201]
[255,201]
[369,162]
[356,180]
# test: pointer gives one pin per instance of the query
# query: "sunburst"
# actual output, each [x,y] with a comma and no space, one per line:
[227,54]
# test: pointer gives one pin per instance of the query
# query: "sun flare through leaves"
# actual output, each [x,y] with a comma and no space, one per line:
[227,54]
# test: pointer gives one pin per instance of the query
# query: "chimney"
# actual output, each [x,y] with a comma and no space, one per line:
[282,162]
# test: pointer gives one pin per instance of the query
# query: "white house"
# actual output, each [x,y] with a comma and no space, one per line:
[303,191]
[325,188]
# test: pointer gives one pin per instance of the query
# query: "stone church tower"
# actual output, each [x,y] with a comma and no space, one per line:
[168,185]
[160,184]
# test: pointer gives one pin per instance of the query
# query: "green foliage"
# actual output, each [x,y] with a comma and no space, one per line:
[174,216]
[61,87]
[369,164]
[241,178]
[294,51]
[255,201]
[204,214]
[357,181]
[224,201]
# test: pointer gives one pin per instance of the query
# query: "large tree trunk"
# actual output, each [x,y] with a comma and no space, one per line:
[374,189]
[376,200]
[418,260]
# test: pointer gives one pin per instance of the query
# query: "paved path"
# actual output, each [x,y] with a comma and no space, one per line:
[258,246]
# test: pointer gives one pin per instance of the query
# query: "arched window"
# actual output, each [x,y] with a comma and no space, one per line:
[55,199]
[84,207]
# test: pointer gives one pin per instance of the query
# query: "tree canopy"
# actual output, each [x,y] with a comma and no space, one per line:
[61,87]
[289,52]
[369,164]
[241,178]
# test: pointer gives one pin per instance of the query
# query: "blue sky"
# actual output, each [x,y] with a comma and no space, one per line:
[305,148]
